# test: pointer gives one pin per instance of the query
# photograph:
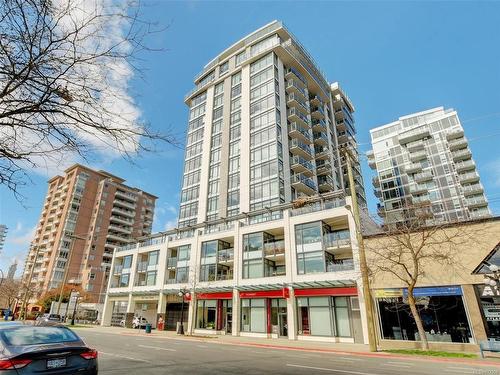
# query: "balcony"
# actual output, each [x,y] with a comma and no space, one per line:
[413,167]
[323,167]
[303,184]
[317,113]
[275,249]
[473,189]
[468,177]
[320,138]
[126,195]
[292,73]
[421,199]
[315,100]
[319,125]
[124,204]
[338,265]
[300,165]
[117,237]
[417,156]
[299,148]
[225,255]
[417,189]
[120,229]
[423,176]
[142,266]
[415,146]
[465,166]
[297,101]
[476,202]
[295,115]
[413,135]
[479,214]
[376,182]
[172,262]
[117,270]
[456,144]
[296,86]
[123,212]
[299,132]
[454,134]
[461,154]
[321,152]
[325,183]
[121,220]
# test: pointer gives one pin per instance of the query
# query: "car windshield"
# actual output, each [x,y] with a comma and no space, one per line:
[21,336]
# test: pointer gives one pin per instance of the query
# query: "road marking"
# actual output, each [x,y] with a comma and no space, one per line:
[395,364]
[346,359]
[202,346]
[463,370]
[124,356]
[332,370]
[157,348]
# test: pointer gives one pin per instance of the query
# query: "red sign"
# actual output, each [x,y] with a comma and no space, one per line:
[280,293]
[346,291]
[220,295]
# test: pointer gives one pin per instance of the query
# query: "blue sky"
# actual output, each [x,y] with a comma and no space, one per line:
[392,58]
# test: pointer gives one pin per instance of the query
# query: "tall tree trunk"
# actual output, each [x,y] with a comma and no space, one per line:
[418,321]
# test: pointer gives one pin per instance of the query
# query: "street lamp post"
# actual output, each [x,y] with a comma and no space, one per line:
[76,296]
[182,293]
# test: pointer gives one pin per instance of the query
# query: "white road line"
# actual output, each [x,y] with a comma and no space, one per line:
[462,370]
[124,356]
[346,359]
[202,346]
[332,370]
[402,365]
[157,348]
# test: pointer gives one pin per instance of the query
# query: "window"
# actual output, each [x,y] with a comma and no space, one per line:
[234,149]
[263,120]
[124,280]
[235,104]
[218,113]
[182,274]
[262,76]
[151,278]
[240,57]
[236,79]
[216,127]
[233,198]
[253,315]
[234,181]
[264,170]
[214,171]
[234,164]
[191,179]
[213,204]
[235,132]
[235,118]
[153,258]
[263,104]
[324,316]
[223,68]
[213,187]
[206,314]
[261,63]
[219,88]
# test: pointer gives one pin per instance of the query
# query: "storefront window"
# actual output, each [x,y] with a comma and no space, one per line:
[324,316]
[207,314]
[489,298]
[253,315]
[444,318]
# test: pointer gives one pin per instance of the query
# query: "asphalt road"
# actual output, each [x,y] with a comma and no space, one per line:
[129,354]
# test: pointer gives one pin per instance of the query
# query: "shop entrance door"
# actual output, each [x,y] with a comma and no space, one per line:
[283,324]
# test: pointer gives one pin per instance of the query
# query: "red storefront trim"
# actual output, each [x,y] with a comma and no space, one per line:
[280,293]
[220,295]
[348,291]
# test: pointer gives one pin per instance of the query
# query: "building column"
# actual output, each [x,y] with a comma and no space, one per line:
[162,306]
[191,323]
[129,316]
[107,312]
[235,329]
[473,311]
[363,313]
[291,315]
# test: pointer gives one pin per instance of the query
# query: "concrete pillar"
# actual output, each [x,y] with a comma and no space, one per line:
[191,318]
[291,315]
[235,329]
[362,310]
[161,309]
[107,312]
[474,315]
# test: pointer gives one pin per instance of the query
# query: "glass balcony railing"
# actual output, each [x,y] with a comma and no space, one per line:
[337,239]
[299,160]
[142,266]
[340,265]
[172,262]
[225,255]
[274,248]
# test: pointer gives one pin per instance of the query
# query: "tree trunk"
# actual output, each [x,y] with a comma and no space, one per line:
[418,321]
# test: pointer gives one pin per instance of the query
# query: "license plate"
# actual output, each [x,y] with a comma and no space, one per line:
[55,363]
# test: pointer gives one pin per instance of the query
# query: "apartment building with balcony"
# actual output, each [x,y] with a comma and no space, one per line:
[264,129]
[86,215]
[291,273]
[424,158]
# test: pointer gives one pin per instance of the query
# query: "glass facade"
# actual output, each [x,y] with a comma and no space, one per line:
[178,265]
[263,256]
[324,316]
[206,314]
[216,261]
[253,315]
[444,319]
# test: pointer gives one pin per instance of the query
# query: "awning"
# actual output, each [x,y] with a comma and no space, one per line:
[322,284]
[260,287]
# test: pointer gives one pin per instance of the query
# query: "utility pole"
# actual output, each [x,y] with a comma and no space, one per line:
[372,341]
[28,284]
[66,269]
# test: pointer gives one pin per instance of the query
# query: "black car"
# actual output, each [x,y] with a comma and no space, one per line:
[39,349]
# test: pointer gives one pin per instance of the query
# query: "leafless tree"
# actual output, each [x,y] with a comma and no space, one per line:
[407,247]
[9,292]
[65,70]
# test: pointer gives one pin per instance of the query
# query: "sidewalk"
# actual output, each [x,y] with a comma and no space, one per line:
[285,344]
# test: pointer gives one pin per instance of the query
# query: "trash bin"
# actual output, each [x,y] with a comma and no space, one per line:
[148,328]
